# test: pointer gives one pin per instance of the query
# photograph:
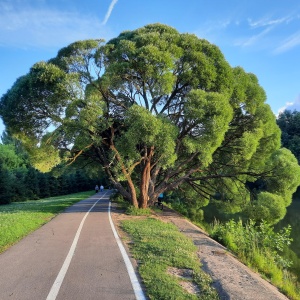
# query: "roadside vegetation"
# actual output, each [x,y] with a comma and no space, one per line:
[256,245]
[18,219]
[164,252]
[261,249]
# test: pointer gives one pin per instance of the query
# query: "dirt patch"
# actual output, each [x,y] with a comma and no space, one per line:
[185,277]
[232,279]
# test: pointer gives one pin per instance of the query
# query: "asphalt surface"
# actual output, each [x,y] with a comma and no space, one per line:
[96,269]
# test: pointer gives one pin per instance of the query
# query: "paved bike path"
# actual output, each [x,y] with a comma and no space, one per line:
[96,268]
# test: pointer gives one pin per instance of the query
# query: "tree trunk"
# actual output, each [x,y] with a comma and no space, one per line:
[132,191]
[145,180]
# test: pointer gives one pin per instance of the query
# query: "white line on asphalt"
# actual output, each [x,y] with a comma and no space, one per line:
[61,275]
[133,278]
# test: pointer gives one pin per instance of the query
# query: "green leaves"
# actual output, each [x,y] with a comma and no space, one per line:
[286,174]
[289,123]
[157,109]
[208,116]
[144,131]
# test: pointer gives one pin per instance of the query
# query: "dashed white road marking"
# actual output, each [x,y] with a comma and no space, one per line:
[133,278]
[62,273]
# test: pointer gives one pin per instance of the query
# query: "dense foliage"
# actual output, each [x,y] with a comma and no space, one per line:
[159,111]
[261,248]
[20,181]
[289,123]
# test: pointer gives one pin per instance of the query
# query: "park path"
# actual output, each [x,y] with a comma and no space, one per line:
[44,266]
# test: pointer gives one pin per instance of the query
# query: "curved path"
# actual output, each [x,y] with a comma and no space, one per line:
[74,256]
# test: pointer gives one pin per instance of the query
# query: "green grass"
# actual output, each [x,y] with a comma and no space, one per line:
[18,219]
[157,246]
[259,247]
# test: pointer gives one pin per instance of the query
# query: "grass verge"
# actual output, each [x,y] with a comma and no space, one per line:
[159,247]
[18,219]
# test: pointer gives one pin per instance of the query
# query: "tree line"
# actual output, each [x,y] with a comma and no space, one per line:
[289,123]
[20,181]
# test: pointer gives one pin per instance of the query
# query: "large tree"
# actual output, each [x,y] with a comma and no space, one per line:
[157,110]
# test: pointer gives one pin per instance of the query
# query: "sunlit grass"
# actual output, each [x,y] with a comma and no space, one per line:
[158,246]
[18,219]
[256,247]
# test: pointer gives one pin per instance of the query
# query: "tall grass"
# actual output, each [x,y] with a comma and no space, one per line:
[260,248]
[18,219]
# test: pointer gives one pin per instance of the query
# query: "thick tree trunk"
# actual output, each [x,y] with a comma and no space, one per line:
[131,187]
[144,186]
[132,191]
[145,180]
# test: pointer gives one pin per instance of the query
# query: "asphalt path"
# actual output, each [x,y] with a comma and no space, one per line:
[77,255]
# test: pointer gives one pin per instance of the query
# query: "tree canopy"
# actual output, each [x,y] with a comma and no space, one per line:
[158,110]
[289,123]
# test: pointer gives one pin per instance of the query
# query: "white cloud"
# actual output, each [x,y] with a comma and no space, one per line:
[269,22]
[267,25]
[44,27]
[110,9]
[289,43]
[291,106]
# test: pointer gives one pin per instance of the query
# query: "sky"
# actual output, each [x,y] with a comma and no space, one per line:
[261,36]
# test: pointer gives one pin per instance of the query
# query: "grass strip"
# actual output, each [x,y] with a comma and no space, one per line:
[18,219]
[158,246]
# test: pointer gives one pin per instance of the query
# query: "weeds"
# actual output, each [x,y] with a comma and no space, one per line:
[260,248]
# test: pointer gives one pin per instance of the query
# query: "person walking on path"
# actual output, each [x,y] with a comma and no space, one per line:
[96,188]
[101,188]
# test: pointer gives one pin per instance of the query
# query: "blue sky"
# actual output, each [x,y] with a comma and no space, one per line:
[262,36]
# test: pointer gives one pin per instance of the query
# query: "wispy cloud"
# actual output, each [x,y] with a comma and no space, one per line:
[269,22]
[254,38]
[110,9]
[210,30]
[289,43]
[44,27]
[261,29]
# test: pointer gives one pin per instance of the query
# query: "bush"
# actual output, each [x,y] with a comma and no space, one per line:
[249,237]
[260,247]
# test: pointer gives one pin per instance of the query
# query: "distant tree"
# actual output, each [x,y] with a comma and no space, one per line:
[157,110]
[44,187]
[32,184]
[9,160]
[18,184]
[289,123]
[54,186]
[5,187]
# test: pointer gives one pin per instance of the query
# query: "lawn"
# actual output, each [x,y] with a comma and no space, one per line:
[18,219]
